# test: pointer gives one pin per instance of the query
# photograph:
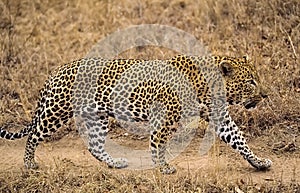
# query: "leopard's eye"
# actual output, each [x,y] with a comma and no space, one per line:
[252,82]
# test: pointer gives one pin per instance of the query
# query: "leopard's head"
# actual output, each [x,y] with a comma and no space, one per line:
[243,85]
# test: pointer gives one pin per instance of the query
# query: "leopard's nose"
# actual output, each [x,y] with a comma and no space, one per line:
[264,95]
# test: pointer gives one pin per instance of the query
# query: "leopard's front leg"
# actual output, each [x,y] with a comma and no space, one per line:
[230,134]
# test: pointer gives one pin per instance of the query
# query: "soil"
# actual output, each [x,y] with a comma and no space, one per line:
[220,158]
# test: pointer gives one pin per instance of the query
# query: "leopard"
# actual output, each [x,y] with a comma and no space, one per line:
[93,90]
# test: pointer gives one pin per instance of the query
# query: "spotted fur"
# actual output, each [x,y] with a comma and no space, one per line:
[86,89]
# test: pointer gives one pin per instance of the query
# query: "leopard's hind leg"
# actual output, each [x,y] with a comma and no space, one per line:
[97,127]
[44,125]
[158,141]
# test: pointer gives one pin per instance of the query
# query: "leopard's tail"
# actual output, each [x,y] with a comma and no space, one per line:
[15,135]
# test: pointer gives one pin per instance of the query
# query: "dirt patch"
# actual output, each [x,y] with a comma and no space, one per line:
[69,157]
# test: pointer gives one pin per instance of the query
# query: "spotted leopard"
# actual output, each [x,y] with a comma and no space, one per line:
[95,89]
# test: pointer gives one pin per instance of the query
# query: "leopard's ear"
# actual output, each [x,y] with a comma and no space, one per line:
[246,58]
[226,68]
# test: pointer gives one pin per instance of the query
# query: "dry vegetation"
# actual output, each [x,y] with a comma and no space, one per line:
[38,36]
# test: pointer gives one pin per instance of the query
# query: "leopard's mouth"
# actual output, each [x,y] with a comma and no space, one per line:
[251,104]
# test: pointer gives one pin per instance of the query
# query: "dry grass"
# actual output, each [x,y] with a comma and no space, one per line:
[63,179]
[38,36]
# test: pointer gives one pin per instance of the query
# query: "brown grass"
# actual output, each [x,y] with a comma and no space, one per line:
[38,36]
[63,179]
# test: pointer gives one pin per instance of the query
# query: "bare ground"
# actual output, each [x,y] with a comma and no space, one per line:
[221,169]
[285,168]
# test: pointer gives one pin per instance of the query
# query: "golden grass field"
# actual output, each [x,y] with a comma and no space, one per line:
[38,36]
